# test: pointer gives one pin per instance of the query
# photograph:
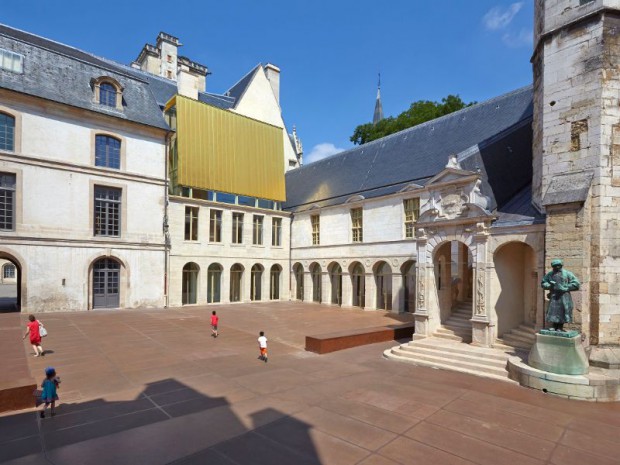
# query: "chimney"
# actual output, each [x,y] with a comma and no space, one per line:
[273,76]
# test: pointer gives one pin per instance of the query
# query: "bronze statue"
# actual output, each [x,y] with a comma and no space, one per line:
[559,283]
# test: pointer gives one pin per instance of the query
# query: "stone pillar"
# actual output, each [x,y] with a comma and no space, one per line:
[347,290]
[482,325]
[246,283]
[398,293]
[326,288]
[307,286]
[370,292]
[225,286]
[425,323]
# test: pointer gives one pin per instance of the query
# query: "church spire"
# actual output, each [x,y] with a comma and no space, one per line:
[378,116]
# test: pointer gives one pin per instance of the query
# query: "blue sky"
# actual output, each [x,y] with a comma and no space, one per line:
[329,51]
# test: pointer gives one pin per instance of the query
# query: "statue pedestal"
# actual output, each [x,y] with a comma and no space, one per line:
[560,353]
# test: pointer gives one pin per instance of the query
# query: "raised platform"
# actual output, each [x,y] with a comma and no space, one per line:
[332,342]
[16,383]
[598,385]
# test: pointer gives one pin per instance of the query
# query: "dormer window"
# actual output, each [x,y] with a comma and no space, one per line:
[108,92]
[11,61]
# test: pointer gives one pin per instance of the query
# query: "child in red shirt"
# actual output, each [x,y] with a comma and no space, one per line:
[214,320]
[33,328]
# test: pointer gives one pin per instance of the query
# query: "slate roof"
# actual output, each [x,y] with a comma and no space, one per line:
[237,91]
[493,137]
[63,74]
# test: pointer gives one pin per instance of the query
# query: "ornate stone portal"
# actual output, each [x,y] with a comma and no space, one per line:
[453,209]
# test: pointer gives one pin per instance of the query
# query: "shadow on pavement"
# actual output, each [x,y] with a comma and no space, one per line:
[168,422]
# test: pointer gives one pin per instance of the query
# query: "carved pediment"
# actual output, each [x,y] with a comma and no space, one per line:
[355,198]
[411,187]
[449,175]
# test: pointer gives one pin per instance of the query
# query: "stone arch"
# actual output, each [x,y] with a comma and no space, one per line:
[334,269]
[190,283]
[298,272]
[256,282]
[514,286]
[275,276]
[316,276]
[236,282]
[214,283]
[358,284]
[21,272]
[382,272]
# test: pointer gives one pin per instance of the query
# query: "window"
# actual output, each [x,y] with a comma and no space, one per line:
[107,94]
[316,229]
[191,223]
[276,232]
[107,152]
[357,224]
[292,163]
[10,61]
[215,226]
[412,211]
[7,202]
[7,132]
[169,58]
[9,271]
[237,228]
[257,231]
[107,211]
[169,74]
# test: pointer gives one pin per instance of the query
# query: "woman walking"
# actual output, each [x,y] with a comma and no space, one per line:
[34,329]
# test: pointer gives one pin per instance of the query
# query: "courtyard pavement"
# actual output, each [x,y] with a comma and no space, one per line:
[152,387]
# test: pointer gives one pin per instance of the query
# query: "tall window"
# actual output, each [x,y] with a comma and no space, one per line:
[107,211]
[191,223]
[215,226]
[107,94]
[257,230]
[316,229]
[7,202]
[107,152]
[237,228]
[412,211]
[357,224]
[276,231]
[7,132]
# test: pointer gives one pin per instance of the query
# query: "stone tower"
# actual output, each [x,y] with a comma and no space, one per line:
[576,172]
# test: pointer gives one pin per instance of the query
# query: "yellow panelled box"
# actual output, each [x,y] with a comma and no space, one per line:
[219,150]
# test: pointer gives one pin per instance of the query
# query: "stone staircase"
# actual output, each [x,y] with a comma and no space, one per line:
[447,354]
[522,337]
[457,327]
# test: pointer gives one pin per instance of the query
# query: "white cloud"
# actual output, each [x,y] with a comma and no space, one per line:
[499,18]
[320,151]
[523,38]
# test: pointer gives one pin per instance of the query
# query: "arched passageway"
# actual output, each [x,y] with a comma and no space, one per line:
[514,295]
[408,275]
[383,280]
[315,274]
[256,283]
[214,283]
[189,284]
[335,279]
[236,276]
[10,284]
[274,282]
[298,271]
[358,284]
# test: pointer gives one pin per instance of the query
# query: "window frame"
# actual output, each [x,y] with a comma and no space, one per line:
[109,202]
[411,216]
[96,85]
[108,155]
[237,227]
[215,225]
[258,222]
[276,232]
[17,128]
[4,191]
[10,54]
[357,224]
[192,215]
[6,267]
[316,229]
[7,132]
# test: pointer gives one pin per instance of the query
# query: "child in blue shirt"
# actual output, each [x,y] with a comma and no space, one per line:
[49,388]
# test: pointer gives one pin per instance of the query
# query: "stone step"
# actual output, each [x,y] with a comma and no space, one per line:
[460,330]
[521,343]
[397,354]
[457,323]
[451,337]
[523,334]
[498,362]
[452,348]
[454,335]
[511,347]
[472,364]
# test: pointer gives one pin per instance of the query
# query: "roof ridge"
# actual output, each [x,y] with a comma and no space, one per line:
[425,124]
[253,70]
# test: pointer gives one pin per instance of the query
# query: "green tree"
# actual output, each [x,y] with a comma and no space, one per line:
[419,112]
